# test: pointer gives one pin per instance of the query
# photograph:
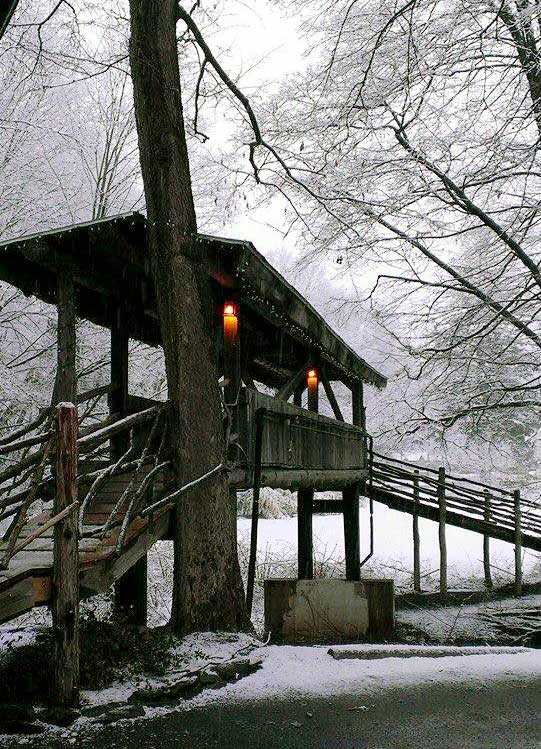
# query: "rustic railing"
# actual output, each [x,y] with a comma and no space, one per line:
[489,509]
[33,452]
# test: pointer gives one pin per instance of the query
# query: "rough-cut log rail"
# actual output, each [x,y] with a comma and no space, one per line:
[413,489]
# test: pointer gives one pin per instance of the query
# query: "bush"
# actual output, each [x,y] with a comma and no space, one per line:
[107,648]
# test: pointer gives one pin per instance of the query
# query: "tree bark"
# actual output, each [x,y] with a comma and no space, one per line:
[207,589]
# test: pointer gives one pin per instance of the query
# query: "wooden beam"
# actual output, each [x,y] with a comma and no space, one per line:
[65,602]
[66,391]
[292,385]
[327,506]
[329,392]
[294,478]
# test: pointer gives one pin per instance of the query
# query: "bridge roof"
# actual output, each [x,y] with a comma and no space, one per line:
[110,261]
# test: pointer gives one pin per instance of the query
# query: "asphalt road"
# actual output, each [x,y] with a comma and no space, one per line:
[497,716]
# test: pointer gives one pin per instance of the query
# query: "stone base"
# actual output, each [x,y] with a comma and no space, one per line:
[329,610]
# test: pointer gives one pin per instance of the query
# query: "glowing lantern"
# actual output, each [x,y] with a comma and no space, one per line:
[231,324]
[311,379]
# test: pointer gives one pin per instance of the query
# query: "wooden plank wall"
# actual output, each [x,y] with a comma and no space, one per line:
[304,440]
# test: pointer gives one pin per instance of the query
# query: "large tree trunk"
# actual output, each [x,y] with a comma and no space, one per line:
[208,591]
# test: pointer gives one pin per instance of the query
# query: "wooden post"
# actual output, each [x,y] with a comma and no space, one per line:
[416,538]
[66,380]
[331,397]
[441,532]
[130,601]
[358,410]
[518,544]
[350,498]
[65,589]
[486,544]
[305,500]
[118,398]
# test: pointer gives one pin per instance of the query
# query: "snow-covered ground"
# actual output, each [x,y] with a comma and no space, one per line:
[277,557]
[393,545]
[466,622]
[294,672]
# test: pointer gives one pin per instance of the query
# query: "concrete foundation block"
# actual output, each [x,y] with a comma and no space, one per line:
[332,609]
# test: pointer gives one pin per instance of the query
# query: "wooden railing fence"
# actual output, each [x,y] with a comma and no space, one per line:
[492,507]
[31,452]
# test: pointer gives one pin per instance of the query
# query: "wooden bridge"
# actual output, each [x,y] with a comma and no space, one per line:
[124,506]
[83,499]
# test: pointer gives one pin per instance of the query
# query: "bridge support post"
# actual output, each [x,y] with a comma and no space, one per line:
[131,594]
[352,549]
[65,588]
[518,543]
[416,537]
[305,499]
[441,532]
[305,503]
[486,544]
[350,496]
[130,601]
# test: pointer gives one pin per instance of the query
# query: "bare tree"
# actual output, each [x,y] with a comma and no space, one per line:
[409,147]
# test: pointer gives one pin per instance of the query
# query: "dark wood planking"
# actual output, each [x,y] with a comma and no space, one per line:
[308,442]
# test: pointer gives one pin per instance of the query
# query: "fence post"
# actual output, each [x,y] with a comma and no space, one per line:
[416,539]
[65,589]
[518,544]
[441,532]
[486,544]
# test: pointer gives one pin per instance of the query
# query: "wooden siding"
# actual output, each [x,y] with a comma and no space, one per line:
[295,438]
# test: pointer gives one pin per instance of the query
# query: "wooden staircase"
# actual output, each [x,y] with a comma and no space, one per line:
[27,581]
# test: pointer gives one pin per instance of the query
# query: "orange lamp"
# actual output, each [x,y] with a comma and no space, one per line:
[231,323]
[311,379]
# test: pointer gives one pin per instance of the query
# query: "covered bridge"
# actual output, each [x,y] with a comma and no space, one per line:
[265,333]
